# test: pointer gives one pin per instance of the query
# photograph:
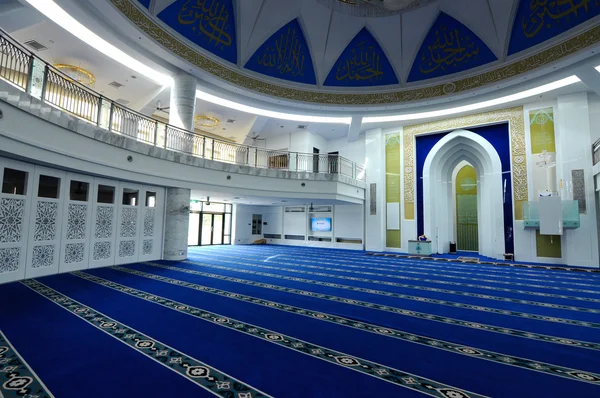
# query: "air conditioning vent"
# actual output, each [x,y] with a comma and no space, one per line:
[122,101]
[36,45]
[230,121]
[302,126]
[295,209]
[115,84]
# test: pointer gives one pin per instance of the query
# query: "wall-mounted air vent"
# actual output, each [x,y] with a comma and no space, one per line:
[295,209]
[302,126]
[115,84]
[122,101]
[36,45]
[230,121]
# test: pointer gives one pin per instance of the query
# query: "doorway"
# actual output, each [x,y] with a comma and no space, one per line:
[467,231]
[316,159]
[210,224]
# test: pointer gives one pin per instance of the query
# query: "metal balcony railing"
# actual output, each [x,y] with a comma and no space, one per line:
[26,71]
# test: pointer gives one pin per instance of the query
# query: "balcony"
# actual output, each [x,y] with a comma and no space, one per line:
[59,94]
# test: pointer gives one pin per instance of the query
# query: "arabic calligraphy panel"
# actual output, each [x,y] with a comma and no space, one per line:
[208,23]
[145,3]
[449,47]
[285,55]
[362,64]
[539,20]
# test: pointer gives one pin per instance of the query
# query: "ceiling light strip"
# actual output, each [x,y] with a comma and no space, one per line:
[59,16]
[477,106]
[263,112]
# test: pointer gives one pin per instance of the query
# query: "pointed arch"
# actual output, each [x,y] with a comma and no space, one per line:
[438,215]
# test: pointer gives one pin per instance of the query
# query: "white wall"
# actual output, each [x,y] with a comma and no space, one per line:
[348,223]
[354,151]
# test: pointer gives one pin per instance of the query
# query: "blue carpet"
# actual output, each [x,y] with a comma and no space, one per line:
[252,321]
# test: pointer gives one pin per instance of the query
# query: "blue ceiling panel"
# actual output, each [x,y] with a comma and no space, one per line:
[285,55]
[539,20]
[208,23]
[449,47]
[362,64]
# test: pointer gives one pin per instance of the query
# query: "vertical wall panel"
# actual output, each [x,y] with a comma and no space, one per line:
[104,219]
[43,255]
[75,246]
[392,190]
[150,235]
[15,206]
[129,222]
[543,152]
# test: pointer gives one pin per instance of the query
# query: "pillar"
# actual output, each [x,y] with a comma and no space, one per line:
[177,224]
[375,221]
[183,101]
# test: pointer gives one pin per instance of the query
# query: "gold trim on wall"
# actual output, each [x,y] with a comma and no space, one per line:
[192,55]
[515,119]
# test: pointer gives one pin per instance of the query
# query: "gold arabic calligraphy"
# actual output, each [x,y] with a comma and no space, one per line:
[544,12]
[365,64]
[448,49]
[210,17]
[287,56]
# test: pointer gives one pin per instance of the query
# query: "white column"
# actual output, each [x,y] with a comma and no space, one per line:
[574,151]
[375,224]
[177,224]
[183,101]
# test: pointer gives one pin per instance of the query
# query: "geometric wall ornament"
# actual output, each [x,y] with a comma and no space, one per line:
[208,24]
[9,259]
[74,252]
[76,221]
[43,256]
[373,197]
[147,247]
[578,179]
[449,47]
[104,222]
[127,248]
[285,55]
[362,64]
[11,220]
[149,222]
[129,223]
[45,221]
[538,21]
[102,251]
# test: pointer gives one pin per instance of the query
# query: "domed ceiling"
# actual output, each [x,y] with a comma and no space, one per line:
[367,51]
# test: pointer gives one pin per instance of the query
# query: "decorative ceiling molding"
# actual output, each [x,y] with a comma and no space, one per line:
[373,8]
[192,55]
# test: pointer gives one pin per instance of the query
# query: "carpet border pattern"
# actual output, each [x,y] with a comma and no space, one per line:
[17,379]
[417,298]
[192,369]
[399,311]
[391,375]
[523,363]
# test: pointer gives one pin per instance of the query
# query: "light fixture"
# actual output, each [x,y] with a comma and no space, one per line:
[78,74]
[598,68]
[480,105]
[207,121]
[263,112]
[59,16]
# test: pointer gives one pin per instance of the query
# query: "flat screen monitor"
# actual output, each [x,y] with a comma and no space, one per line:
[320,224]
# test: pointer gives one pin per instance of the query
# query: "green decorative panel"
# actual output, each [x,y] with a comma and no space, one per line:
[548,245]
